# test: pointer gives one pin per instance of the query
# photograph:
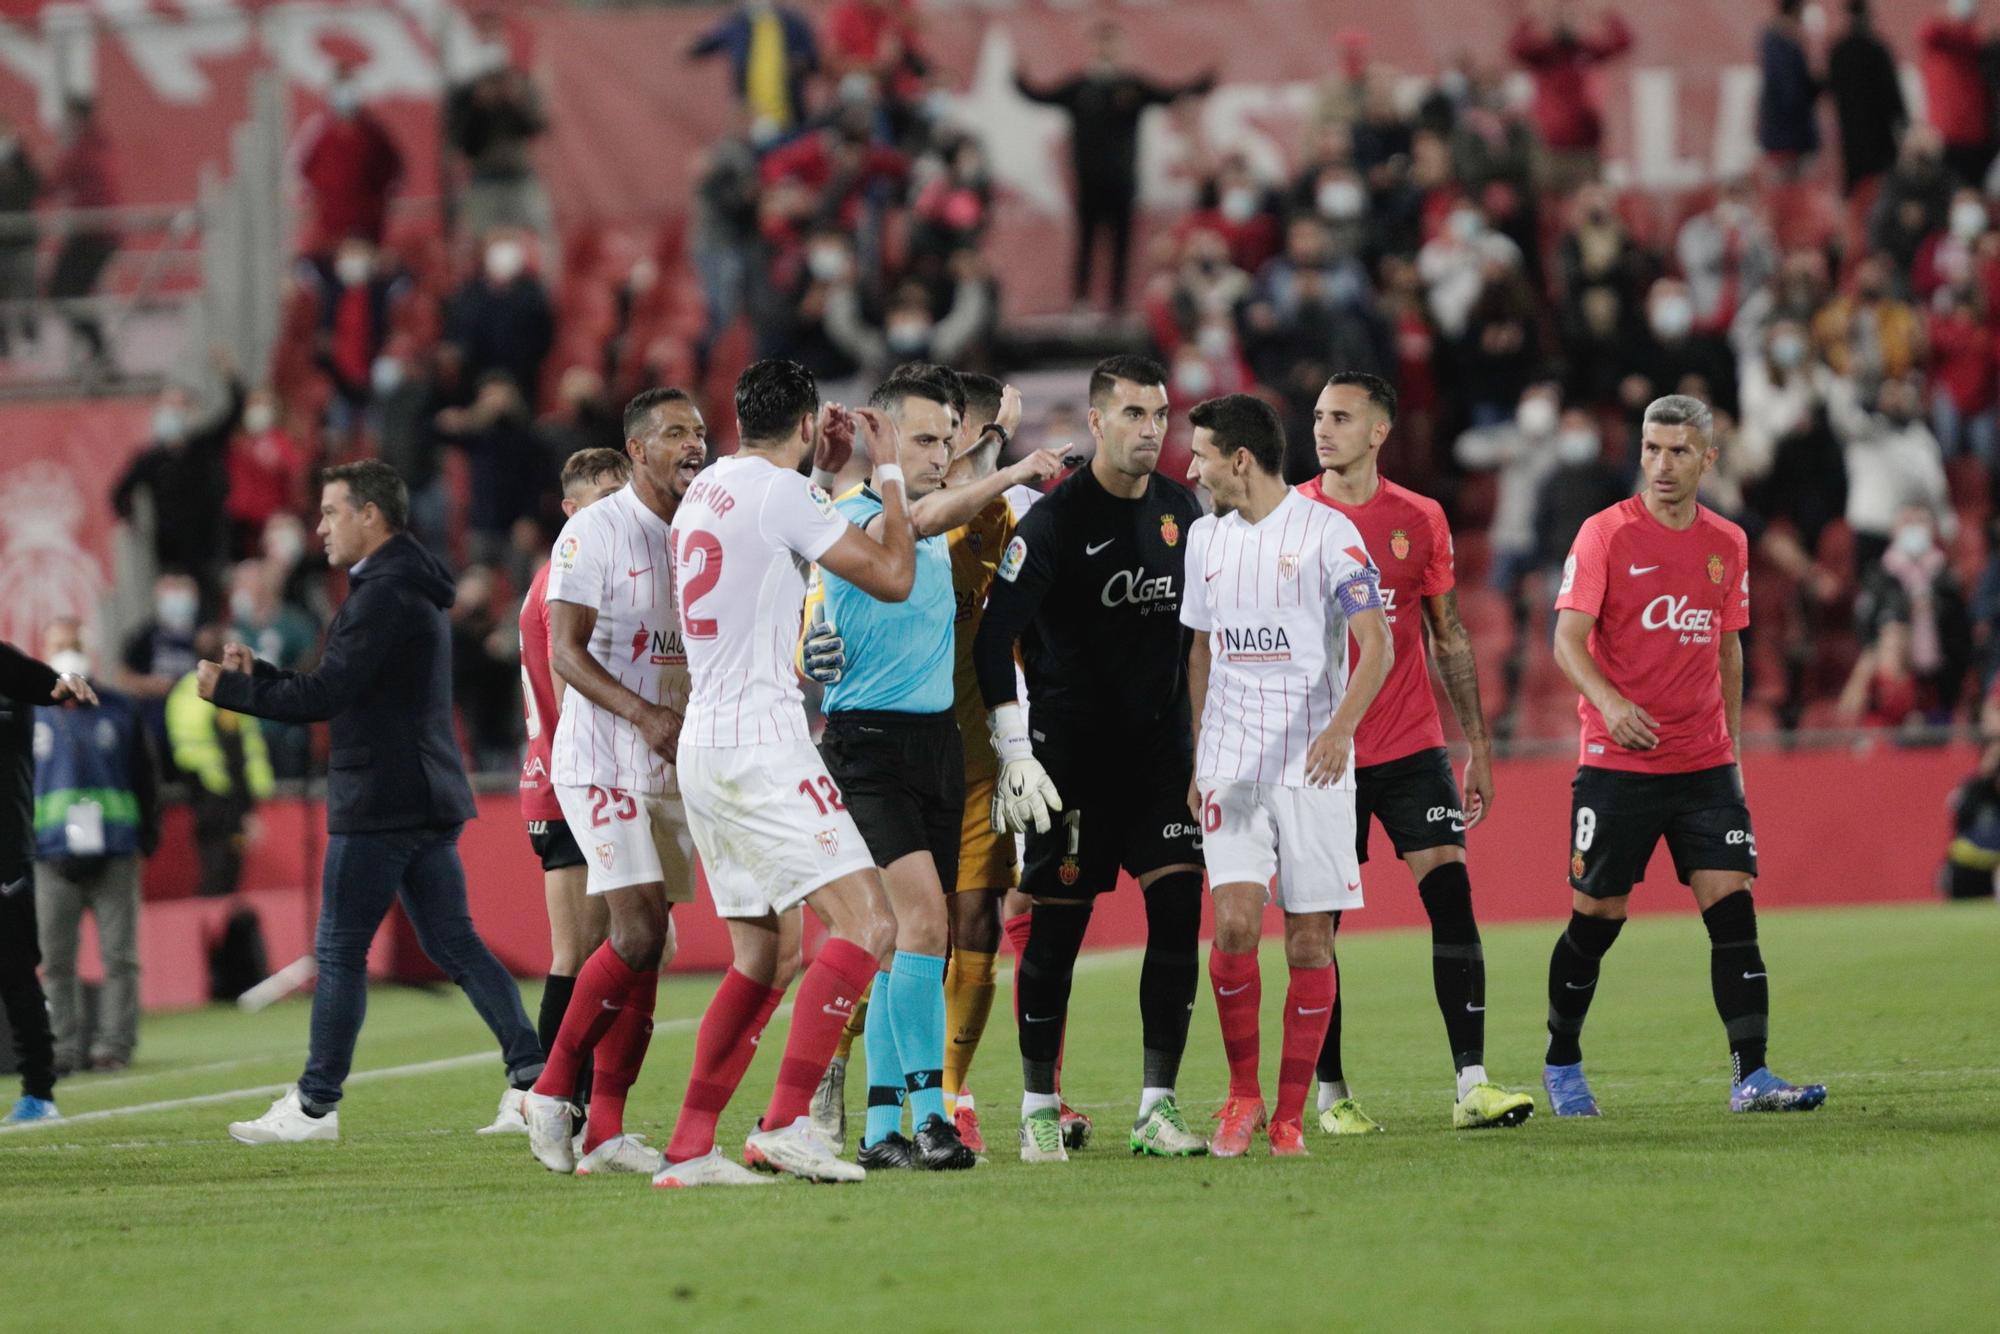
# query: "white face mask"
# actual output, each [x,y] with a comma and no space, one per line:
[1239,203]
[1961,9]
[1465,224]
[505,260]
[176,609]
[242,605]
[343,99]
[169,425]
[385,374]
[1789,351]
[1673,316]
[1577,446]
[1194,378]
[284,545]
[827,263]
[1913,540]
[1967,219]
[259,418]
[1341,200]
[909,336]
[1536,416]
[1214,340]
[351,269]
[70,662]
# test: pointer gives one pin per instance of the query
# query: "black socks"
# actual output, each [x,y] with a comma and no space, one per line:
[1573,971]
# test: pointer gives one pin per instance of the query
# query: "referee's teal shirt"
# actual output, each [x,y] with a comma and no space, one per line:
[899,654]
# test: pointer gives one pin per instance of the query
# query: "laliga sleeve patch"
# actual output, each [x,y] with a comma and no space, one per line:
[1569,575]
[821,499]
[1012,559]
[566,555]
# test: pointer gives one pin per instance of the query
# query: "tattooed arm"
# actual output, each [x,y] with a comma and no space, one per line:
[1452,647]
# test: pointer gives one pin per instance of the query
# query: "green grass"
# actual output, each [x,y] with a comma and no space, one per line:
[1877,1212]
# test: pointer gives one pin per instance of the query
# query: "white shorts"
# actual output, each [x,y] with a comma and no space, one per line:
[769,823]
[1302,836]
[630,839]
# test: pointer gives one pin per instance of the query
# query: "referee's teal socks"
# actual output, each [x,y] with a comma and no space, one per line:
[904,1041]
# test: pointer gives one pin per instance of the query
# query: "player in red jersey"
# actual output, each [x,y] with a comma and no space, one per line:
[1655,596]
[1403,772]
[576,921]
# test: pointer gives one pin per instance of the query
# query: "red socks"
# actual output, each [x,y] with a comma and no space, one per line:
[722,1053]
[1239,990]
[1308,1008]
[602,986]
[827,996]
[619,1056]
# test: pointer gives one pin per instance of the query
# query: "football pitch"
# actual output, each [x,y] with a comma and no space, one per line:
[1878,1211]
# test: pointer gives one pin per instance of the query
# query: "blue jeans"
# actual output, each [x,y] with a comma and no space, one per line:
[365,873]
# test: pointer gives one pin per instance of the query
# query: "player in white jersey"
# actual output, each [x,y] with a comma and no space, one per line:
[1273,588]
[614,639]
[770,823]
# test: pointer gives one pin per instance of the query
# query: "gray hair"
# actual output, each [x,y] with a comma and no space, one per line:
[1681,410]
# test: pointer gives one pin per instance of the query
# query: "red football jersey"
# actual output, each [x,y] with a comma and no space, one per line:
[1662,600]
[1410,542]
[538,697]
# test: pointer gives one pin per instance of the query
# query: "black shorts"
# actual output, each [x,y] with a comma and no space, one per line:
[1416,798]
[902,776]
[1617,819]
[1124,804]
[554,844]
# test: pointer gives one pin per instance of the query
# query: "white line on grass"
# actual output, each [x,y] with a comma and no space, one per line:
[1087,963]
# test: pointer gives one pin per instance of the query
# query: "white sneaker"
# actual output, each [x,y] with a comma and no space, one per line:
[287,1123]
[801,1150]
[548,1131]
[508,1120]
[711,1169]
[622,1153]
[829,1105]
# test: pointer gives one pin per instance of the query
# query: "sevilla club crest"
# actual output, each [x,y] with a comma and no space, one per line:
[1068,871]
[1715,569]
[605,854]
[1288,565]
[1399,544]
[1170,530]
[829,842]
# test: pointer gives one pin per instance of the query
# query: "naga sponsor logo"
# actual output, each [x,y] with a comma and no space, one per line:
[1668,612]
[665,645]
[1255,643]
[1133,588]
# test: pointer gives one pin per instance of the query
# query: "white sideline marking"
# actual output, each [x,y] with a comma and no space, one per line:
[1087,962]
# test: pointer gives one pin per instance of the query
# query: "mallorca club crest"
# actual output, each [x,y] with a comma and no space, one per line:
[1170,530]
[1576,866]
[46,570]
[829,841]
[1399,544]
[1068,871]
[1715,570]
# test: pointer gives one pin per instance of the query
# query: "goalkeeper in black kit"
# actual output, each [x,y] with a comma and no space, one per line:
[1090,587]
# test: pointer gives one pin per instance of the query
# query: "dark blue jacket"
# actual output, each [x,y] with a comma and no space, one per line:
[732,37]
[1787,117]
[384,683]
[99,755]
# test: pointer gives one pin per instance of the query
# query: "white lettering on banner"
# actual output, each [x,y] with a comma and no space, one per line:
[1667,612]
[1132,588]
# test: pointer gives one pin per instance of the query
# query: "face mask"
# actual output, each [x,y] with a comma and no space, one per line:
[1967,220]
[169,426]
[284,545]
[1453,84]
[505,260]
[1961,9]
[1465,225]
[1673,316]
[259,418]
[907,337]
[1214,341]
[1341,200]
[1535,416]
[243,605]
[1789,351]
[1239,204]
[343,99]
[351,269]
[70,662]
[175,610]
[1577,447]
[385,374]
[1913,539]
[1194,377]
[827,263]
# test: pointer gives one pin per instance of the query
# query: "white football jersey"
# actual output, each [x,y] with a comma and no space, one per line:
[1274,598]
[744,538]
[614,558]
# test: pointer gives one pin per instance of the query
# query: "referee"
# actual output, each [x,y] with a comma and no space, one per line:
[25,683]
[892,745]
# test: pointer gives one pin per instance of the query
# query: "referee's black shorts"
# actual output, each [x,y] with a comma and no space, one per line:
[1416,800]
[1618,818]
[1124,805]
[902,777]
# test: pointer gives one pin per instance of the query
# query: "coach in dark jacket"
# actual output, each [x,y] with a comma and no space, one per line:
[397,794]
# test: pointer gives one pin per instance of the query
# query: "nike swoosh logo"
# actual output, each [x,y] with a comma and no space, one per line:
[1574,987]
[1231,991]
[611,1005]
[1039,1019]
[837,1012]
[1457,828]
[1470,1008]
[1092,551]
[634,574]
[1354,888]
[1309,1013]
[965,1042]
[1751,977]
[1640,569]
